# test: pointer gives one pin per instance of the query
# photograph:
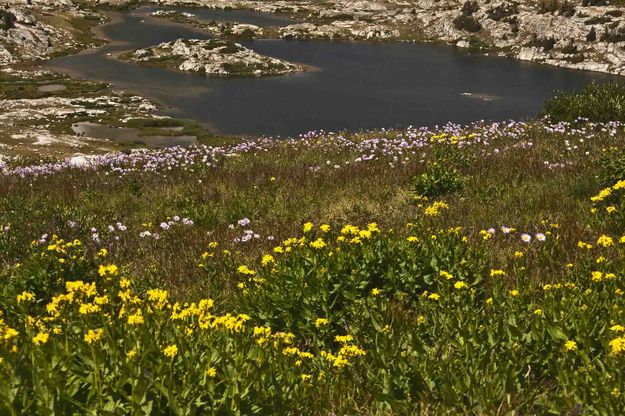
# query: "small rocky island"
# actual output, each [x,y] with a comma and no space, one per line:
[211,57]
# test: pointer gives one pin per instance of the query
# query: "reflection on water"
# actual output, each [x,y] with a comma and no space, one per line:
[358,85]
[129,136]
[52,88]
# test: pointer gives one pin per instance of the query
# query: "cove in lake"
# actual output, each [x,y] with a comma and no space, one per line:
[131,136]
[356,85]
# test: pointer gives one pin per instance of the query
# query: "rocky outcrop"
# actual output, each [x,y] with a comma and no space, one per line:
[211,57]
[22,37]
[339,30]
[229,30]
[39,124]
[233,30]
[555,32]
[38,30]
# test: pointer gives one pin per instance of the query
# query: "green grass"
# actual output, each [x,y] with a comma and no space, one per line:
[435,319]
[417,308]
[241,187]
[596,102]
[16,86]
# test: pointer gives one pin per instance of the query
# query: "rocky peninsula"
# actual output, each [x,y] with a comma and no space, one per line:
[211,57]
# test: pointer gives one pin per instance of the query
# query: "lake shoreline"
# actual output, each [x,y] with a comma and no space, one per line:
[326,96]
[337,94]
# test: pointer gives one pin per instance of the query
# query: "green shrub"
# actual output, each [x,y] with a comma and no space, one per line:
[613,36]
[612,167]
[562,7]
[468,23]
[7,20]
[438,179]
[613,3]
[470,7]
[546,44]
[502,11]
[595,102]
[306,285]
[598,20]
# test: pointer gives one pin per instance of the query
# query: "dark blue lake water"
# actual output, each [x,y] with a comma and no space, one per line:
[355,85]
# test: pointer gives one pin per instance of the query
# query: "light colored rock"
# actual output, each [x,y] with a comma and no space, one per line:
[213,57]
[508,26]
[30,39]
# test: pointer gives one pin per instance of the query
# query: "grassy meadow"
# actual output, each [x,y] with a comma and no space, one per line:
[455,270]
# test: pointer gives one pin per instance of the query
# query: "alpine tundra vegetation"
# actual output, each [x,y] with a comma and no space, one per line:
[151,267]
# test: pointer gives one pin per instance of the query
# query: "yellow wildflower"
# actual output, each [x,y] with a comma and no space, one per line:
[108,270]
[605,241]
[495,273]
[617,328]
[343,339]
[7,332]
[570,345]
[93,335]
[435,209]
[158,297]
[246,271]
[321,322]
[88,308]
[25,297]
[351,351]
[350,229]
[445,275]
[136,318]
[597,276]
[619,185]
[603,194]
[460,285]
[617,345]
[267,259]
[41,338]
[318,244]
[170,351]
